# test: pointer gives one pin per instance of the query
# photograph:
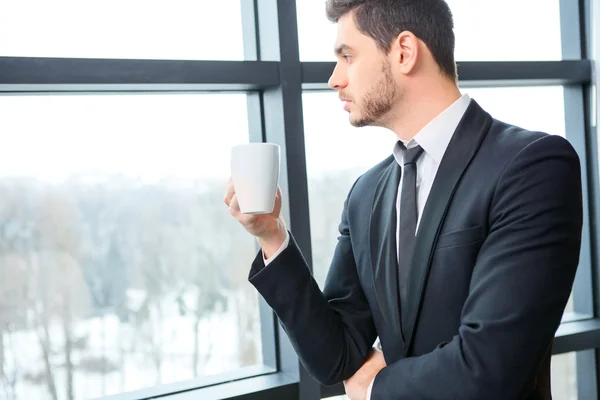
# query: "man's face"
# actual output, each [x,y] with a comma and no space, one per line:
[362,76]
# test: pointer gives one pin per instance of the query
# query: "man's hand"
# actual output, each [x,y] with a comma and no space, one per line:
[357,385]
[269,229]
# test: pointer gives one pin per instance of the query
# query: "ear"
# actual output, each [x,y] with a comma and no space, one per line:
[404,52]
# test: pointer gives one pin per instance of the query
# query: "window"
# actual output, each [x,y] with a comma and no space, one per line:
[120,266]
[489,38]
[109,201]
[564,376]
[513,105]
[122,29]
[336,154]
[485,38]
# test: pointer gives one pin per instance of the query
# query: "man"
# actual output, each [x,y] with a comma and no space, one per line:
[458,251]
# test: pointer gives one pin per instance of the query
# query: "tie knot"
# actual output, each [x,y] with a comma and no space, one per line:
[412,155]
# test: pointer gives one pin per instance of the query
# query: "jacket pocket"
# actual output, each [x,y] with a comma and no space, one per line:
[461,237]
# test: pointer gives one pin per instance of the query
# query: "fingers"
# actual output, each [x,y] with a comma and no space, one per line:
[234,206]
[277,208]
[234,209]
[229,194]
[231,200]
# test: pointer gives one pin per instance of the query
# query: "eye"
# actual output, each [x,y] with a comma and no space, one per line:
[347,57]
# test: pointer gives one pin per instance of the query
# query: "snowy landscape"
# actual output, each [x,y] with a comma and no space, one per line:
[103,292]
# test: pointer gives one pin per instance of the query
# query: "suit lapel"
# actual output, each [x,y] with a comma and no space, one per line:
[462,147]
[383,252]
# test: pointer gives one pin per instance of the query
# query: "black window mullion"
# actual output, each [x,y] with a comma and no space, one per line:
[283,124]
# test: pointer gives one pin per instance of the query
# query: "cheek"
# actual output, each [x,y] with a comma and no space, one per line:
[356,82]
[361,77]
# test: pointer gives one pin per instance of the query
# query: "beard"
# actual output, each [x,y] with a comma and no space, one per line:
[378,101]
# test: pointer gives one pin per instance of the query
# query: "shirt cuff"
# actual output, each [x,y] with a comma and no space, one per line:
[285,244]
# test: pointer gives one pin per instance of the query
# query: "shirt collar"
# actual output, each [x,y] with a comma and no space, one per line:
[435,136]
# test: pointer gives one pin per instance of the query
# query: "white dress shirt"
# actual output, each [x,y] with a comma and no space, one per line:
[434,139]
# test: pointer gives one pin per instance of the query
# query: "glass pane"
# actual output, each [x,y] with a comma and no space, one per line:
[338,153]
[477,39]
[569,309]
[564,376]
[120,266]
[513,105]
[496,36]
[179,29]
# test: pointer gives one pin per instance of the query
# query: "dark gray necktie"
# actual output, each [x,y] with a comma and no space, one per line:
[408,219]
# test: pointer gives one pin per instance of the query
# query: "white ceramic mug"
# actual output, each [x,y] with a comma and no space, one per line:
[255,174]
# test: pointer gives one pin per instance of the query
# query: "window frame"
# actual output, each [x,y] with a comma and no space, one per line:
[271,51]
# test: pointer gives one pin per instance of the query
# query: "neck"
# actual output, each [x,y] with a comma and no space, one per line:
[419,106]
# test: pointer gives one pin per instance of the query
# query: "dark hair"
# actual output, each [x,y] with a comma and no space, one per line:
[383,20]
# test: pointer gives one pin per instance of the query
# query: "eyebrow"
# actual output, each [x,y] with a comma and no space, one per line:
[341,49]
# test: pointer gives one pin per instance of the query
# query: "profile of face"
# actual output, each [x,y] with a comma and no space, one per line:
[363,76]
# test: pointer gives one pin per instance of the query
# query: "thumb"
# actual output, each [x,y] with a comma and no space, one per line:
[278,201]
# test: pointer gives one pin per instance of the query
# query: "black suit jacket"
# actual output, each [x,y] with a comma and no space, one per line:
[495,258]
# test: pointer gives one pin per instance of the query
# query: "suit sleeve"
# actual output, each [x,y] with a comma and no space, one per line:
[520,286]
[332,331]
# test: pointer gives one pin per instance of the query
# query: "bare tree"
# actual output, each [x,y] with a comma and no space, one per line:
[62,288]
[227,250]
[13,281]
[147,222]
[18,243]
[199,268]
[105,254]
[40,253]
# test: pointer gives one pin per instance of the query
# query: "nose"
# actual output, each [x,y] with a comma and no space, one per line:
[338,79]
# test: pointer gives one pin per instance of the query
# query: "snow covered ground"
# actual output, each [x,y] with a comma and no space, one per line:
[114,357]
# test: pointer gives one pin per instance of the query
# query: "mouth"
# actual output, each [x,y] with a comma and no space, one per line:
[346,103]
